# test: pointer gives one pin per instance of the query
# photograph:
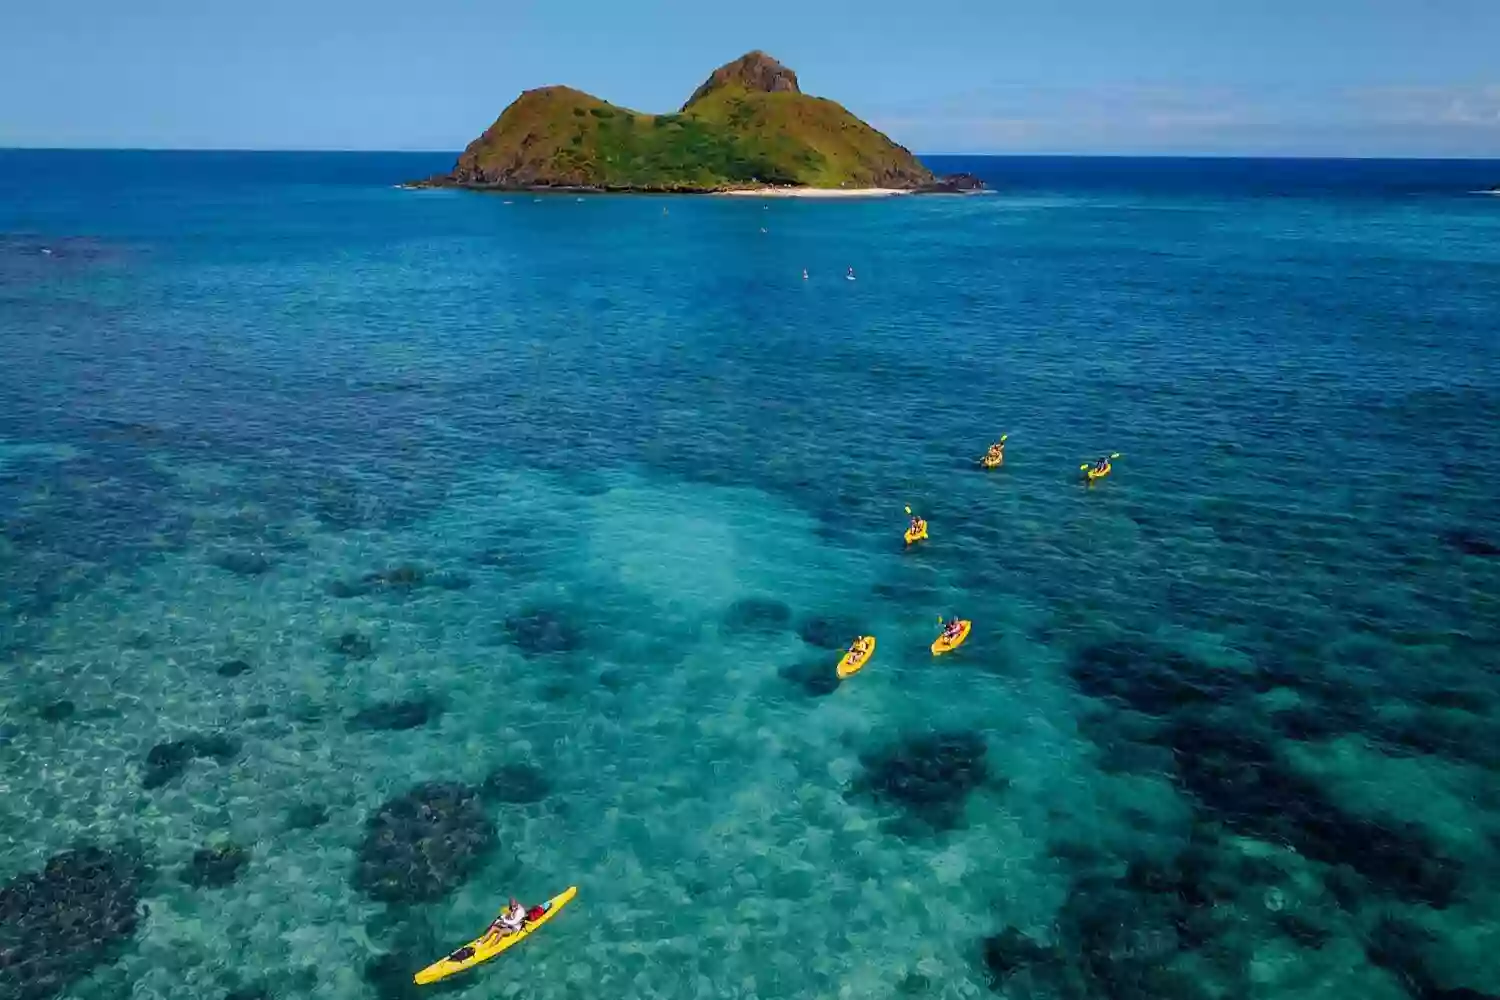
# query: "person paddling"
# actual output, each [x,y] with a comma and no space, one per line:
[510,920]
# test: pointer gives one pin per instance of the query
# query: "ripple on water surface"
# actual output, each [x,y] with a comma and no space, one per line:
[406,554]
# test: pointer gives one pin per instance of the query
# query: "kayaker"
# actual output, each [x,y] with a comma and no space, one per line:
[951,630]
[997,450]
[1102,464]
[850,275]
[917,524]
[858,648]
[508,922]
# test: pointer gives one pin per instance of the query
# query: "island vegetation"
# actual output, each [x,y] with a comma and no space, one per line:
[749,125]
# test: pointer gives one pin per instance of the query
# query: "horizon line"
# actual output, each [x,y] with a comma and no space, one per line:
[1017,155]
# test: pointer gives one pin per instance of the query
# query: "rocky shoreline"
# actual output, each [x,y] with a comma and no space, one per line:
[950,184]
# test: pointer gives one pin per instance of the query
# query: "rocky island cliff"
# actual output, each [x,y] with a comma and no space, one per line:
[749,125]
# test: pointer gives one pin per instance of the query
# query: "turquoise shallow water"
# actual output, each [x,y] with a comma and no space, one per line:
[315,491]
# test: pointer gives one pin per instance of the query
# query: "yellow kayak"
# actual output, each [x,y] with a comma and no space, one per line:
[946,645]
[482,949]
[992,461]
[1094,474]
[853,662]
[916,535]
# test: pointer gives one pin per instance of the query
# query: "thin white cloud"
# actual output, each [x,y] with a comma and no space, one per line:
[1477,105]
[1459,120]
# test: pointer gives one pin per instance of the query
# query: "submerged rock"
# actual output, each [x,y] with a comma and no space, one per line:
[829,632]
[756,614]
[56,926]
[241,563]
[306,816]
[215,867]
[1154,680]
[398,581]
[1010,953]
[403,577]
[343,589]
[232,668]
[420,846]
[541,631]
[1471,543]
[352,646]
[394,715]
[255,992]
[517,783]
[166,761]
[815,678]
[929,775]
[57,711]
[1238,778]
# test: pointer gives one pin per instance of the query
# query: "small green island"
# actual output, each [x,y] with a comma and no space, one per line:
[748,128]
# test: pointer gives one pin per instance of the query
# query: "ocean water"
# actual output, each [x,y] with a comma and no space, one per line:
[316,492]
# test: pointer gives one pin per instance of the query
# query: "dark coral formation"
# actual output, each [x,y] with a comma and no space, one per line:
[814,678]
[1151,679]
[408,944]
[1011,953]
[1122,937]
[306,816]
[59,924]
[517,783]
[829,631]
[241,563]
[929,775]
[542,631]
[1227,761]
[408,713]
[57,711]
[1401,948]
[216,867]
[421,845]
[756,614]
[352,646]
[398,581]
[254,992]
[1237,777]
[167,761]
[232,668]
[1471,543]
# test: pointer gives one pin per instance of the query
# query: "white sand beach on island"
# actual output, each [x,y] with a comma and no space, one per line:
[812,192]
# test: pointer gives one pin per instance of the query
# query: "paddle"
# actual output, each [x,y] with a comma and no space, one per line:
[908,510]
[981,461]
[1086,466]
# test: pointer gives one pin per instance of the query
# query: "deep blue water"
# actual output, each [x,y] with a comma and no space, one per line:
[571,503]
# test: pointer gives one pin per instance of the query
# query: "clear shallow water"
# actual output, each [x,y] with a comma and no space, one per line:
[583,488]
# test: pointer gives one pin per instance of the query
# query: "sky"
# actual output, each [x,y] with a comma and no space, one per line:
[1121,77]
